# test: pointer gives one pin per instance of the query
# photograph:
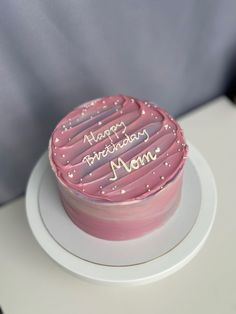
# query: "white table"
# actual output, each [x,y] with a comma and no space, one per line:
[30,282]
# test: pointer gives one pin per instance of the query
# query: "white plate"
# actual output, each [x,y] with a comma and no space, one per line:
[145,259]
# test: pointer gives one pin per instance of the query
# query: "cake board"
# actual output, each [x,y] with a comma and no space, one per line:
[146,259]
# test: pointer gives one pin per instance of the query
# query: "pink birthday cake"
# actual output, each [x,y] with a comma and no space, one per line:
[118,162]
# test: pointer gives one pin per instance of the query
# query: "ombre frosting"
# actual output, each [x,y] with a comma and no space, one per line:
[117,149]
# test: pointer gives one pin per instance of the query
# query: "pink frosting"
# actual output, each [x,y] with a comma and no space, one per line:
[117,149]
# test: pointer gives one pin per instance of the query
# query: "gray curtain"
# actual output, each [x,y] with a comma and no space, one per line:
[56,54]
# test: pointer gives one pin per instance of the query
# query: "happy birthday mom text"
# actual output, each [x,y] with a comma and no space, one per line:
[113,147]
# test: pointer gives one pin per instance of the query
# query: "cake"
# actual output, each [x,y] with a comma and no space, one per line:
[118,163]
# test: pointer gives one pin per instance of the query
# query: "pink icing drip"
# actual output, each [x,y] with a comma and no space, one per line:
[68,147]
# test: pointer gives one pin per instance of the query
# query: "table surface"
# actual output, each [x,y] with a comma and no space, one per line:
[31,282]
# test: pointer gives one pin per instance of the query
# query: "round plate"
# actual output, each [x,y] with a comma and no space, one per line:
[148,258]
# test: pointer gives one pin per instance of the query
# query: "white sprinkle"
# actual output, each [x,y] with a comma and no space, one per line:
[90,174]
[57,140]
[103,101]
[161,187]
[162,178]
[149,190]
[178,142]
[67,161]
[167,154]
[122,191]
[156,117]
[100,186]
[63,156]
[179,150]
[54,154]
[157,150]
[100,123]
[132,100]
[166,126]
[146,103]
[147,186]
[143,112]
[152,114]
[69,139]
[81,179]
[82,113]
[70,175]
[153,172]
[102,192]
[74,171]
[166,163]
[64,126]
[104,107]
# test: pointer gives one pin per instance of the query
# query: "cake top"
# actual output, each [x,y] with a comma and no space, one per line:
[117,149]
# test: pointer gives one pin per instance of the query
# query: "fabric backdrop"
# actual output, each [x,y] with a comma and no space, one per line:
[56,54]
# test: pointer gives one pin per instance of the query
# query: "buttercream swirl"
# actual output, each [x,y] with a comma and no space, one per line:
[117,148]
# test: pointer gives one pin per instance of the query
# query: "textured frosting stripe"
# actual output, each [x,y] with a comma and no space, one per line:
[117,148]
